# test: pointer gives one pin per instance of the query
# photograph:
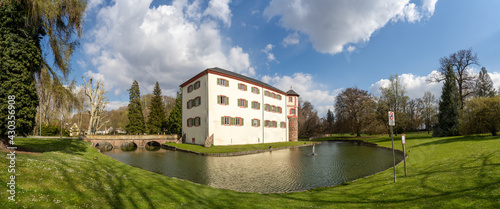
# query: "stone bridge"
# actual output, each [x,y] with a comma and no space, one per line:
[140,140]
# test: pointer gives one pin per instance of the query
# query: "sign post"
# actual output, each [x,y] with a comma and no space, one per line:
[392,123]
[403,142]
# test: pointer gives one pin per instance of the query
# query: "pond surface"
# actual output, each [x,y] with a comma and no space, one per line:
[285,170]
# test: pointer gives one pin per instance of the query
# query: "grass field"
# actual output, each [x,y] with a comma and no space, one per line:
[234,148]
[453,172]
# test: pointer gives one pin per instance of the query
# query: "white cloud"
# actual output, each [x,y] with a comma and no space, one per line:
[114,105]
[318,94]
[291,39]
[93,4]
[495,77]
[429,6]
[270,56]
[415,85]
[351,48]
[409,13]
[219,9]
[331,25]
[168,44]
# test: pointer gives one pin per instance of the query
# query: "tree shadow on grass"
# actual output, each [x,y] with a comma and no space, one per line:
[41,145]
[447,140]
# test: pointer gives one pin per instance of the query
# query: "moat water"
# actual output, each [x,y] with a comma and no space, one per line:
[285,170]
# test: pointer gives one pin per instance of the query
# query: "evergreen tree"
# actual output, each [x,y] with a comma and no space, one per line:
[156,118]
[449,107]
[484,85]
[136,119]
[20,58]
[175,118]
[330,120]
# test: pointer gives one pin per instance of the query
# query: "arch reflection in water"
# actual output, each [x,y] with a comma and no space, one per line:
[285,170]
[128,146]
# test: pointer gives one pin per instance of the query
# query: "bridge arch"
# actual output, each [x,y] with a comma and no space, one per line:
[152,145]
[104,146]
[128,146]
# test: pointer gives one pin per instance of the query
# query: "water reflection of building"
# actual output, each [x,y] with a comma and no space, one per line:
[236,109]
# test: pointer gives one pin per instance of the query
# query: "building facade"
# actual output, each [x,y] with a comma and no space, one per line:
[236,109]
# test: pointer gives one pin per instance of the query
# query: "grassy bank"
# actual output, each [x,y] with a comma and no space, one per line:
[453,172]
[234,148]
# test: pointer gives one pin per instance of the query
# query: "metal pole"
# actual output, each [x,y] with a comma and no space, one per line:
[393,156]
[61,125]
[404,158]
[40,108]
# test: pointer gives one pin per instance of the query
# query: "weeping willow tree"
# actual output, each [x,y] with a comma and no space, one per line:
[32,32]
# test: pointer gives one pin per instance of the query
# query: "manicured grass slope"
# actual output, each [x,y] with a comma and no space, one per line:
[234,148]
[442,172]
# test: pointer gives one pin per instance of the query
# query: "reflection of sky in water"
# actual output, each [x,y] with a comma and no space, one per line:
[278,171]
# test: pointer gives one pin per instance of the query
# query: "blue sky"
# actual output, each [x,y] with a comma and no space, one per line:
[317,47]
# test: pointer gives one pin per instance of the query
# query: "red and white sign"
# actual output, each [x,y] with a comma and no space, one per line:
[403,139]
[392,121]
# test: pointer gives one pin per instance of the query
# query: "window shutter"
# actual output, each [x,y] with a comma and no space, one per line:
[227,83]
[239,100]
[233,121]
[258,105]
[258,123]
[218,81]
[246,103]
[218,99]
[227,100]
[245,87]
[242,121]
[222,120]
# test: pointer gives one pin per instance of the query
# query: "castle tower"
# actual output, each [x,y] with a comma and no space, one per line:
[292,108]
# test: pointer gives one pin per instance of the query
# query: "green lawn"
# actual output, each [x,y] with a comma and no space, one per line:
[234,148]
[453,172]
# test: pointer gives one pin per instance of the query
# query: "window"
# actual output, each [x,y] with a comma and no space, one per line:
[283,125]
[274,124]
[242,103]
[197,85]
[255,90]
[222,82]
[189,104]
[266,93]
[238,121]
[242,87]
[290,99]
[189,122]
[278,110]
[197,101]
[278,96]
[273,108]
[267,123]
[226,120]
[197,121]
[267,107]
[292,111]
[223,100]
[255,122]
[255,105]
[273,95]
[190,88]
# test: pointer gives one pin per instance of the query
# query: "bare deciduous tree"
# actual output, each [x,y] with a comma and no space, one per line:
[460,62]
[97,103]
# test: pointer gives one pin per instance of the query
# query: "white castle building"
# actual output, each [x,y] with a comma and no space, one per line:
[236,109]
